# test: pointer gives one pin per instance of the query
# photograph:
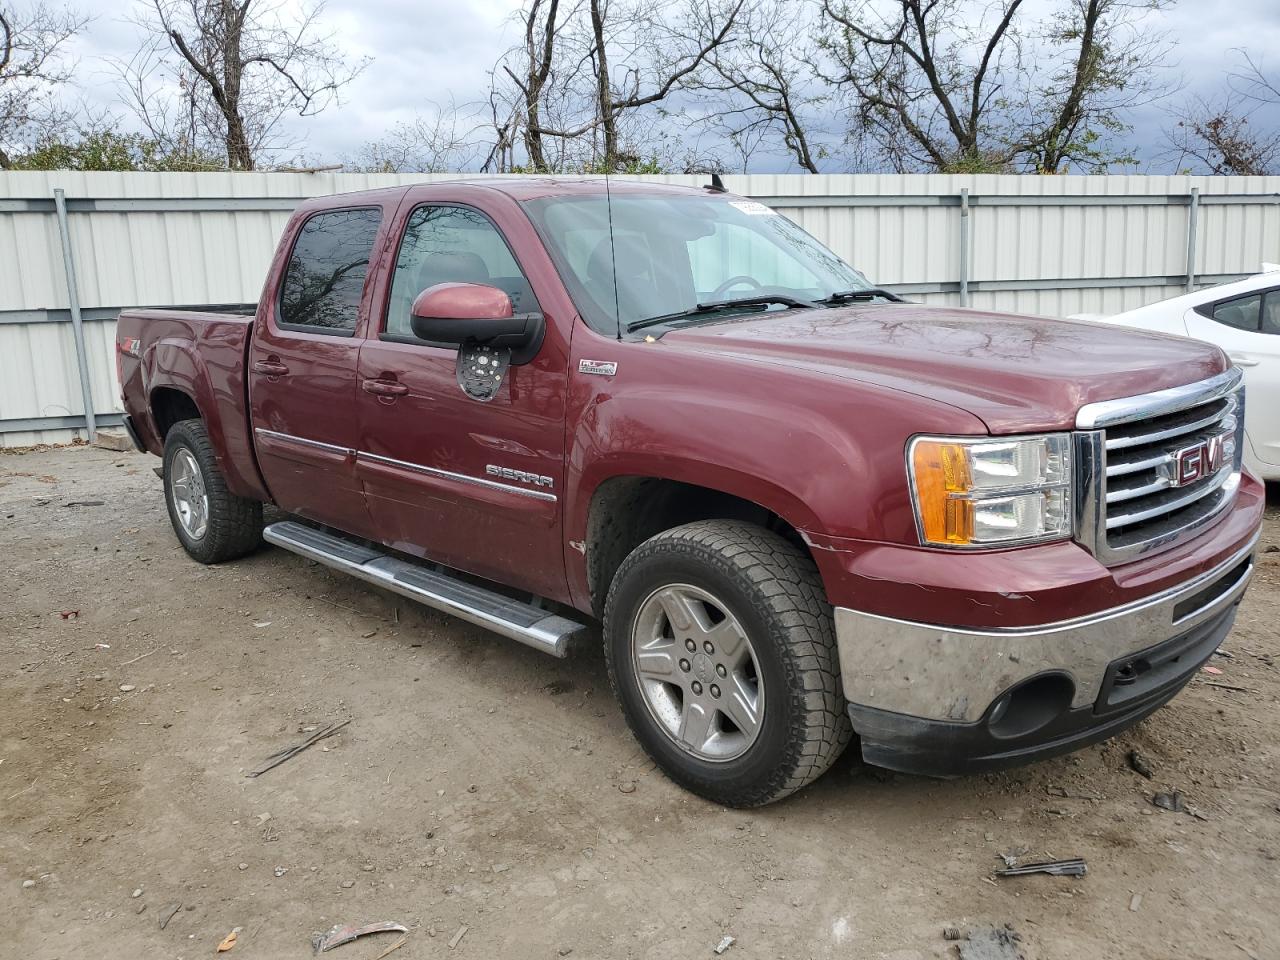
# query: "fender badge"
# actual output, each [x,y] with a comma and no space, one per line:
[604,368]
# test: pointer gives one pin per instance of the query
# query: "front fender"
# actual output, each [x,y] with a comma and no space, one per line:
[828,457]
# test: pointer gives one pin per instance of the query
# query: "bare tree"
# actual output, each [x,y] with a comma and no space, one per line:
[628,55]
[761,87]
[540,34]
[1217,138]
[1253,82]
[31,70]
[241,67]
[958,85]
[445,139]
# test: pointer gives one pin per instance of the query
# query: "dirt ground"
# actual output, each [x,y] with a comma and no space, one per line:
[485,790]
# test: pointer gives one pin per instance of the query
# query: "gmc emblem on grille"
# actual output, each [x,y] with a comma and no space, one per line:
[1199,460]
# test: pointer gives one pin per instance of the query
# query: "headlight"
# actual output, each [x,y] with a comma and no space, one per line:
[980,491]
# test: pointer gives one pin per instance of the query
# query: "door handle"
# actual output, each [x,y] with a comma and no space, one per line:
[384,388]
[1243,361]
[272,368]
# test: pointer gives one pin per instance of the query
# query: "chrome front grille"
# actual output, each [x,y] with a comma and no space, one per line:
[1153,469]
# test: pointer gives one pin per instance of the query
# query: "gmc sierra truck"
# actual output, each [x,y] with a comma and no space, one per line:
[800,509]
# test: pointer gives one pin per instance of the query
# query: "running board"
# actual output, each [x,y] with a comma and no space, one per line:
[520,621]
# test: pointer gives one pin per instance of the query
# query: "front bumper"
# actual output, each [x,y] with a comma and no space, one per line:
[944,700]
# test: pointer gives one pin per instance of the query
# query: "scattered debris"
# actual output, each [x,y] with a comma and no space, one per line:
[393,948]
[952,933]
[1174,802]
[169,913]
[1224,686]
[28,884]
[69,614]
[280,871]
[136,659]
[1010,857]
[457,937]
[288,753]
[347,884]
[136,893]
[1135,902]
[263,623]
[84,503]
[1072,794]
[1213,670]
[1074,867]
[627,786]
[102,646]
[989,943]
[1140,764]
[340,934]
[227,943]
[725,943]
[127,688]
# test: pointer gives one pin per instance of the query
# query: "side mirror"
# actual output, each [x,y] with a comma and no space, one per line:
[448,314]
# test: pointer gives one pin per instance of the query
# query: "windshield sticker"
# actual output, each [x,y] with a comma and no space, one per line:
[754,208]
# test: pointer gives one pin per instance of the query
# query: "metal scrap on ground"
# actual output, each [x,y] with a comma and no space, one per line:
[280,756]
[340,934]
[1075,867]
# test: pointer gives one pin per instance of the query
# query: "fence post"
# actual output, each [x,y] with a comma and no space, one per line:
[1193,215]
[964,246]
[77,325]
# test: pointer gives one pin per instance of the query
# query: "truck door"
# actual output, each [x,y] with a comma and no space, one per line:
[1248,329]
[471,484]
[302,370]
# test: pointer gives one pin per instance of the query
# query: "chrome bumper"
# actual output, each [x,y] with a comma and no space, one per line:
[952,674]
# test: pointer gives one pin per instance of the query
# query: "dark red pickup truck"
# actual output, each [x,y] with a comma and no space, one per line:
[801,509]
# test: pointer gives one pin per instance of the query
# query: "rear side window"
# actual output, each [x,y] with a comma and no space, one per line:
[324,279]
[1241,313]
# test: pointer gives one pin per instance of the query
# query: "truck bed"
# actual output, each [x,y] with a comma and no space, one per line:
[201,353]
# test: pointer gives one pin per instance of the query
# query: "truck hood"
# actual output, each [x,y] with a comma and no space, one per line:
[1015,373]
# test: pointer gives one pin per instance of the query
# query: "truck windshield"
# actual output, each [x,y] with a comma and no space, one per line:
[678,254]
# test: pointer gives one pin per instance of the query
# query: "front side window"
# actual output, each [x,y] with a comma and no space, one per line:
[676,252]
[447,244]
[324,279]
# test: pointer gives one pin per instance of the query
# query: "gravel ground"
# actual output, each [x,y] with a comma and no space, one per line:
[490,798]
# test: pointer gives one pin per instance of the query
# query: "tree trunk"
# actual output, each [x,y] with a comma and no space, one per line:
[604,99]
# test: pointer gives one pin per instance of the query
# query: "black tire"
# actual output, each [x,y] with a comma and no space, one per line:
[774,591]
[234,524]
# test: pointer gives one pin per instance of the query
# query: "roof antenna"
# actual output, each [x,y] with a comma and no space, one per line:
[613,254]
[717,185]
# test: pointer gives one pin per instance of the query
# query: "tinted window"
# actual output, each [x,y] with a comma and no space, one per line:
[325,276]
[1271,312]
[452,245]
[1241,313]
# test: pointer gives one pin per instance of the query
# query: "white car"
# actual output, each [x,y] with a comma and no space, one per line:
[1243,318]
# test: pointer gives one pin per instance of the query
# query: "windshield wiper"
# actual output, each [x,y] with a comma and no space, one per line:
[716,306]
[866,293]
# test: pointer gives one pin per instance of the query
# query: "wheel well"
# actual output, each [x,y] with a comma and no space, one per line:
[169,406]
[626,511]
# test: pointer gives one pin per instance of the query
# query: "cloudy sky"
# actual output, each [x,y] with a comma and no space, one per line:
[426,51]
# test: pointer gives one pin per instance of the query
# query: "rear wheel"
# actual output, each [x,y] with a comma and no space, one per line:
[212,523]
[721,651]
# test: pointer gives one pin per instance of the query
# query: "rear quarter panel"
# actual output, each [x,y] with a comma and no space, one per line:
[201,355]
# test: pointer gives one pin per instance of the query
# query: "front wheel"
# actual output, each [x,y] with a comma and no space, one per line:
[721,651]
[211,522]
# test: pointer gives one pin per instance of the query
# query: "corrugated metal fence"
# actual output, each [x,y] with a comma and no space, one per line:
[89,244]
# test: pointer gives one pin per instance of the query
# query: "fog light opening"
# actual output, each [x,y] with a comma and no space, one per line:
[1031,705]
